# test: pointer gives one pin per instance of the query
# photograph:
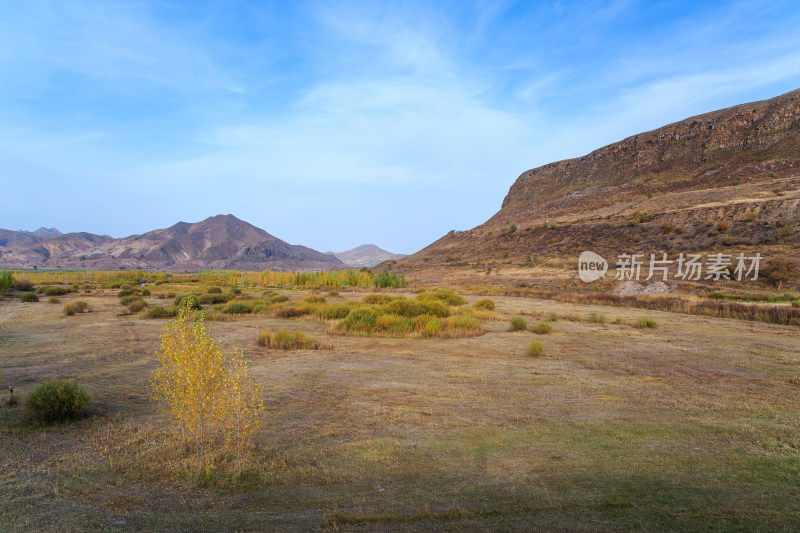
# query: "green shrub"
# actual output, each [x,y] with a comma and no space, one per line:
[72,308]
[145,292]
[485,304]
[6,280]
[57,401]
[29,297]
[235,291]
[158,312]
[448,297]
[535,348]
[214,298]
[314,299]
[181,300]
[645,323]
[279,298]
[54,291]
[542,328]
[124,293]
[53,300]
[333,312]
[333,294]
[518,324]
[597,318]
[289,311]
[236,308]
[214,290]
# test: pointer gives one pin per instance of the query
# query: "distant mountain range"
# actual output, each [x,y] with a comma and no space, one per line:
[220,242]
[366,255]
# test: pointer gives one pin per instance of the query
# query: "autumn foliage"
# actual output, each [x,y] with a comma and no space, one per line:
[211,396]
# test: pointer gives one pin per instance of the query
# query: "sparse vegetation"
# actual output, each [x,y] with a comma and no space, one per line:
[53,300]
[29,297]
[597,318]
[286,340]
[645,323]
[485,304]
[76,307]
[542,328]
[518,324]
[535,348]
[57,401]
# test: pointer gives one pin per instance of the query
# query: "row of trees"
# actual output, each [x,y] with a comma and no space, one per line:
[210,395]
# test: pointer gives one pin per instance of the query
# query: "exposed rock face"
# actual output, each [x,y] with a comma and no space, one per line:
[727,180]
[220,242]
[366,255]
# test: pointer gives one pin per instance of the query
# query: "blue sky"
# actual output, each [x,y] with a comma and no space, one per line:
[333,124]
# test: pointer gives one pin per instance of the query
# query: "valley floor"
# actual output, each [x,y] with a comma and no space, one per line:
[694,425]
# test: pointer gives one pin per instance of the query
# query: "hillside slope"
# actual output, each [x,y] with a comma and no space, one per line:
[723,181]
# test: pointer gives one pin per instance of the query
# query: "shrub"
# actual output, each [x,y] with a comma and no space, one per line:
[448,297]
[432,327]
[377,299]
[722,227]
[542,328]
[333,312]
[124,293]
[214,298]
[158,312]
[6,280]
[285,340]
[54,291]
[333,294]
[72,308]
[645,323]
[22,285]
[289,311]
[214,290]
[236,291]
[485,304]
[535,348]
[53,300]
[137,306]
[125,300]
[236,308]
[279,298]
[181,302]
[796,303]
[597,318]
[145,292]
[518,324]
[314,299]
[552,317]
[57,401]
[29,297]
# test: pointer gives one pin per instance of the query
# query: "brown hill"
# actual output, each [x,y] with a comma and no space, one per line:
[218,242]
[724,181]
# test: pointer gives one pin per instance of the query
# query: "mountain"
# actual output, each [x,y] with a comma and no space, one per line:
[220,242]
[44,231]
[723,181]
[366,255]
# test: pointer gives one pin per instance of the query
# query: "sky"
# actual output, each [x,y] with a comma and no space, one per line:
[335,124]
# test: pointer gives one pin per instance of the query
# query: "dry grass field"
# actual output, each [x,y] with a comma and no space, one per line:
[692,425]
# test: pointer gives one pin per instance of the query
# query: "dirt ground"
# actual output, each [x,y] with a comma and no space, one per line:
[693,425]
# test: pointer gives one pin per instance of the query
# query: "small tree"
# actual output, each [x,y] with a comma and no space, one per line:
[208,394]
[244,403]
[190,379]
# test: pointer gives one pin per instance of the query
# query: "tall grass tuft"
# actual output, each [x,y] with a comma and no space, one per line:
[518,324]
[535,348]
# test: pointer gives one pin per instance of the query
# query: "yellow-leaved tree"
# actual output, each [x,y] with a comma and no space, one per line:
[199,386]
[244,402]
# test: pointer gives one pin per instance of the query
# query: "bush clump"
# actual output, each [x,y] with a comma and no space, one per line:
[6,280]
[535,348]
[645,323]
[542,328]
[53,300]
[57,401]
[136,306]
[54,291]
[597,318]
[214,290]
[518,324]
[314,299]
[180,302]
[29,297]
[236,308]
[485,304]
[377,299]
[285,340]
[158,312]
[72,308]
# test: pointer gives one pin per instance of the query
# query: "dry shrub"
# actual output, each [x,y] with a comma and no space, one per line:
[73,308]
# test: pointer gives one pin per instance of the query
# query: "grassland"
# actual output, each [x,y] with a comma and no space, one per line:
[689,425]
